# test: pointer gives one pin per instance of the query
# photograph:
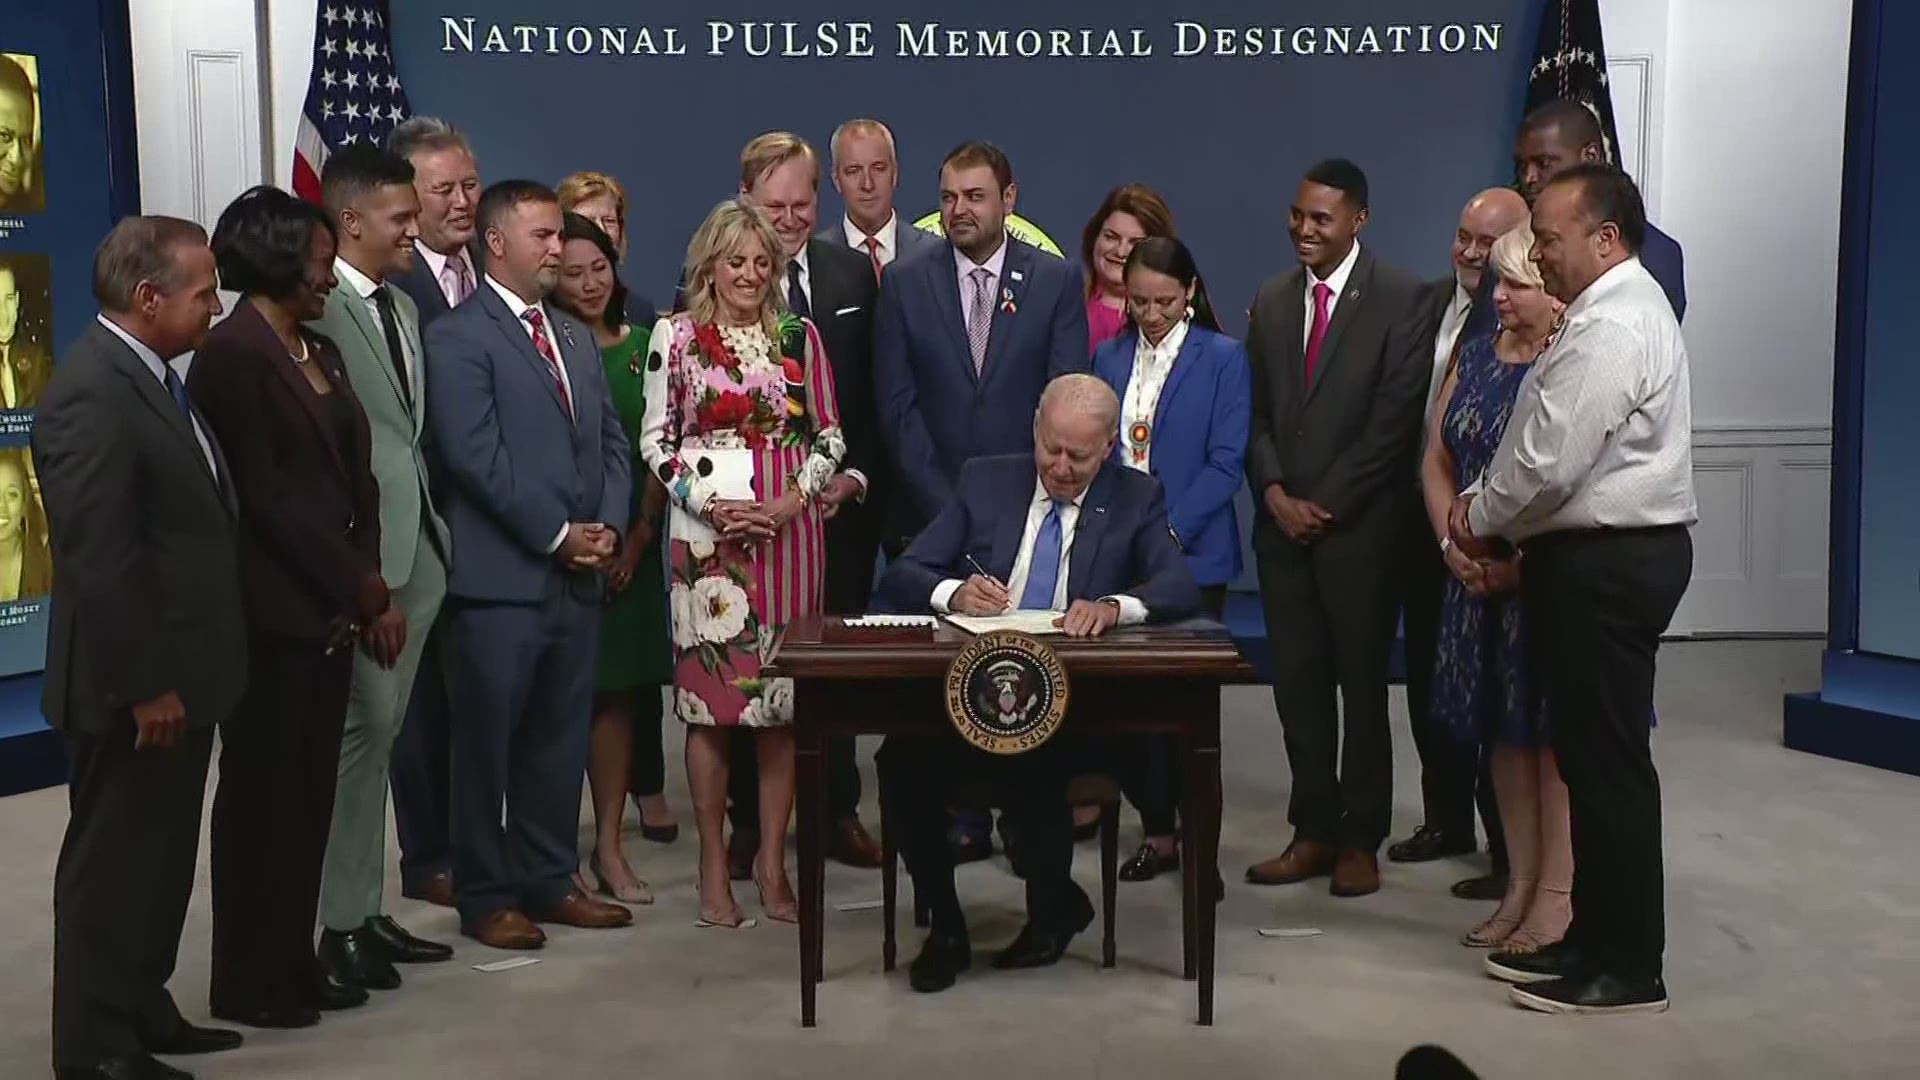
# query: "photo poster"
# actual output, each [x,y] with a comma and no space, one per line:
[66,175]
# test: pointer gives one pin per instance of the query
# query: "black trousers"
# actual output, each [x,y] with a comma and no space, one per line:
[279,763]
[1330,619]
[920,776]
[1596,605]
[1448,770]
[649,760]
[120,891]
[1148,766]
[420,773]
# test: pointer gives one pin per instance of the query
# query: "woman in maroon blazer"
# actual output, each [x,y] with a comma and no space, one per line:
[277,397]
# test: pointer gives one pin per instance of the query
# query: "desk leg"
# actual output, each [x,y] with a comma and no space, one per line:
[1203,802]
[1192,824]
[809,779]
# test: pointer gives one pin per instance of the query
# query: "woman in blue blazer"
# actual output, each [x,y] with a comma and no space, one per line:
[1184,393]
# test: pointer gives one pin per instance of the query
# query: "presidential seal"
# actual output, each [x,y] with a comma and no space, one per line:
[1006,692]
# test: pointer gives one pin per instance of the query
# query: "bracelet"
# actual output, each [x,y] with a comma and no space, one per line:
[1446,544]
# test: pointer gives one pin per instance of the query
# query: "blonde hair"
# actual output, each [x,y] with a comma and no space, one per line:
[584,186]
[1511,257]
[730,223]
[772,150]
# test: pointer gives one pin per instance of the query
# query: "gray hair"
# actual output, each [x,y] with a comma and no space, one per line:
[862,126]
[426,134]
[141,249]
[1080,394]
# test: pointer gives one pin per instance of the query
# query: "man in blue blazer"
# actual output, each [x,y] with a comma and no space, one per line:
[538,467]
[965,342]
[1063,529]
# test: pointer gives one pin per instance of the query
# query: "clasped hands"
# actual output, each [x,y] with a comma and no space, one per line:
[981,595]
[1472,559]
[1302,520]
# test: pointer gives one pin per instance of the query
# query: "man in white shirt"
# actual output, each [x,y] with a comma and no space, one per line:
[866,172]
[1447,772]
[1594,481]
[1064,529]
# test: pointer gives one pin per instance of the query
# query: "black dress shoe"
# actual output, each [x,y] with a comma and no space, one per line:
[133,1067]
[660,834]
[741,849]
[1556,961]
[1426,845]
[188,1039]
[1148,864]
[402,947]
[356,958]
[1039,945]
[941,960]
[271,1016]
[969,845]
[1601,994]
[1484,887]
[329,994]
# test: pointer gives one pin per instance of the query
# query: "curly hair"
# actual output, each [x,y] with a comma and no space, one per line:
[725,227]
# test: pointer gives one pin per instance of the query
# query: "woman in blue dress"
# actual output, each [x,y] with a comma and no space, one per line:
[1482,689]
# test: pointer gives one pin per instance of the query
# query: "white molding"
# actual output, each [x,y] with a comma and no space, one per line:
[1717,436]
[217,99]
[1760,551]
[1630,76]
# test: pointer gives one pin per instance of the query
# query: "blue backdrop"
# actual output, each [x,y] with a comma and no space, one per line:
[1224,137]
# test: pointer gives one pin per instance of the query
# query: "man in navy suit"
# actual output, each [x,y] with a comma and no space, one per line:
[444,271]
[1085,536]
[866,172]
[537,465]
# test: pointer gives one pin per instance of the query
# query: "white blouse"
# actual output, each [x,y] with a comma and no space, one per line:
[1152,364]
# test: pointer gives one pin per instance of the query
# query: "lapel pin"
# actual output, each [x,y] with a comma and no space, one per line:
[1353,294]
[1016,275]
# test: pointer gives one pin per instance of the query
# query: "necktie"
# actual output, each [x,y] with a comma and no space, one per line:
[458,279]
[178,391]
[873,256]
[1322,293]
[1043,572]
[545,348]
[979,317]
[390,327]
[797,296]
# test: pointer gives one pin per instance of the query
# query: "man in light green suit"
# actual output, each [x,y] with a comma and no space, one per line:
[369,194]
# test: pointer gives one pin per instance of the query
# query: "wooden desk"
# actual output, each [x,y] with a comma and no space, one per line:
[856,681]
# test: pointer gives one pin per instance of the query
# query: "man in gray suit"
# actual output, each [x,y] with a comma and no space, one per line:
[147,651]
[538,465]
[369,193]
[1339,351]
[866,172]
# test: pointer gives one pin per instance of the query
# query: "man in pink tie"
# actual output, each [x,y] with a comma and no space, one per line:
[1339,350]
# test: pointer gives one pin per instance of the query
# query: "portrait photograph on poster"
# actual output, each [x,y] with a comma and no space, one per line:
[22,190]
[26,331]
[26,563]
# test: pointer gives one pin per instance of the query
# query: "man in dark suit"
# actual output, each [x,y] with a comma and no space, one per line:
[966,339]
[538,466]
[1447,770]
[866,172]
[1063,528]
[780,173]
[24,366]
[1337,349]
[147,649]
[444,271]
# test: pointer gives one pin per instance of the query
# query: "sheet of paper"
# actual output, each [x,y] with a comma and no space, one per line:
[1026,622]
[888,620]
[506,965]
[1291,932]
[859,905]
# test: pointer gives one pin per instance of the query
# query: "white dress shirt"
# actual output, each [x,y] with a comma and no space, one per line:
[365,287]
[1132,611]
[888,236]
[158,367]
[437,266]
[519,308]
[1337,281]
[1601,435]
[1152,364]
[1452,321]
[964,266]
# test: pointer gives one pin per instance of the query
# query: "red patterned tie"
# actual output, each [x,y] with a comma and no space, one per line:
[873,255]
[545,348]
[1321,294]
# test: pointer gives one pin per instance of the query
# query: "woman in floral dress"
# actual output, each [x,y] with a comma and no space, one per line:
[742,428]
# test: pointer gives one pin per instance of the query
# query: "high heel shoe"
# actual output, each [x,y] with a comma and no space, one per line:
[1490,933]
[640,894]
[788,912]
[660,834]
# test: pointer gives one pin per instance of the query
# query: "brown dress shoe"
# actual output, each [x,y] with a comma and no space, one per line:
[437,889]
[1303,859]
[853,846]
[1356,873]
[579,909]
[506,929]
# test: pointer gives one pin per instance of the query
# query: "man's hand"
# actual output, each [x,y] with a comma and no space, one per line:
[621,568]
[1088,618]
[1302,521]
[785,508]
[839,490]
[159,723]
[385,637]
[980,596]
[1498,576]
[587,545]
[1463,567]
[1462,530]
[738,519]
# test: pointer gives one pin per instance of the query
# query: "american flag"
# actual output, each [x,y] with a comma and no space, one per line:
[353,95]
[1570,62]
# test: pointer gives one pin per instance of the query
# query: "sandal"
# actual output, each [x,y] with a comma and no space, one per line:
[640,894]
[736,921]
[788,912]
[1526,941]
[1495,931]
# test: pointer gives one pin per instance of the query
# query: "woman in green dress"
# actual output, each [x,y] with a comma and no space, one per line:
[624,746]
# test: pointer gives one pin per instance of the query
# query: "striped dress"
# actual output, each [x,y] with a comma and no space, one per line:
[737,389]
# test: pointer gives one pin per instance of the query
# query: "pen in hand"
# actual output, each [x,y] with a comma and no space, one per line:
[994,581]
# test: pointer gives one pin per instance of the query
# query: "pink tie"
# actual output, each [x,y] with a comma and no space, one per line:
[873,254]
[458,278]
[545,348]
[1321,295]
